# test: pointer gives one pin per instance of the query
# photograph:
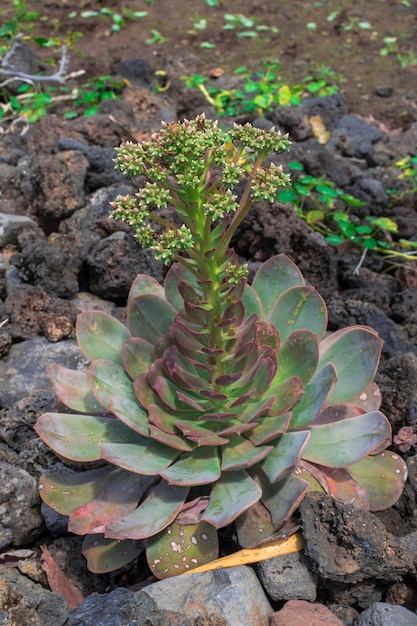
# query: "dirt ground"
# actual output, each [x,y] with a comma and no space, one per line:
[379,75]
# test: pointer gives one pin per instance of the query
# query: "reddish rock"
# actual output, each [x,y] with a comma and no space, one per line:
[302,613]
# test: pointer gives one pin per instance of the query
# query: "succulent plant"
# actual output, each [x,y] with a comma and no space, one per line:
[217,401]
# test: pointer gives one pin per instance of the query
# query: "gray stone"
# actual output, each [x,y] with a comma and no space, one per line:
[23,370]
[233,594]
[19,505]
[10,226]
[288,577]
[382,614]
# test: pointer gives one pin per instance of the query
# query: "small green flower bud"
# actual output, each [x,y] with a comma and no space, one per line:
[267,181]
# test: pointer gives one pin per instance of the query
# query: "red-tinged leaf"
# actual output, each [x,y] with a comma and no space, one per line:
[191,511]
[144,285]
[235,427]
[355,353]
[268,335]
[144,392]
[369,399]
[251,411]
[383,478]
[228,379]
[131,414]
[137,356]
[101,336]
[209,440]
[257,380]
[231,495]
[240,453]
[155,513]
[58,582]
[337,482]
[163,419]
[283,498]
[174,441]
[348,441]
[149,317]
[117,498]
[287,451]
[199,467]
[298,356]
[108,380]
[336,413]
[105,555]
[148,457]
[316,392]
[299,308]
[78,437]
[274,277]
[185,340]
[72,389]
[254,526]
[65,493]
[269,428]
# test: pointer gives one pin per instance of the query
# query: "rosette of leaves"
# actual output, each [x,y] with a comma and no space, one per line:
[216,401]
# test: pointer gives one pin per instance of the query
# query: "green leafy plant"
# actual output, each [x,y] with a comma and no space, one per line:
[218,401]
[263,90]
[118,20]
[325,207]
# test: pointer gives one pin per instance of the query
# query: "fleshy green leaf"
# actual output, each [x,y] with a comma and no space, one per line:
[78,437]
[282,498]
[101,336]
[118,497]
[72,389]
[269,428]
[137,356]
[240,453]
[355,353]
[148,457]
[273,278]
[180,548]
[346,442]
[316,392]
[299,307]
[175,275]
[298,356]
[199,467]
[108,380]
[155,513]
[67,492]
[383,477]
[105,555]
[131,414]
[232,494]
[149,317]
[144,284]
[252,302]
[287,451]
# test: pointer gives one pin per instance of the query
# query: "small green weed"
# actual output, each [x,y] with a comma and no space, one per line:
[325,207]
[263,90]
[118,20]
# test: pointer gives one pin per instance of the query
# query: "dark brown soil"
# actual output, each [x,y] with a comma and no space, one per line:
[346,37]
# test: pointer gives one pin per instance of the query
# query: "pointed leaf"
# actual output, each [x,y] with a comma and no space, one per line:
[274,277]
[137,356]
[240,453]
[67,492]
[287,394]
[155,513]
[336,481]
[383,477]
[298,356]
[270,428]
[105,555]
[348,441]
[287,451]
[316,392]
[199,467]
[108,380]
[283,498]
[149,317]
[230,496]
[175,275]
[299,307]
[72,389]
[78,437]
[355,353]
[117,498]
[173,441]
[101,336]
[147,457]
